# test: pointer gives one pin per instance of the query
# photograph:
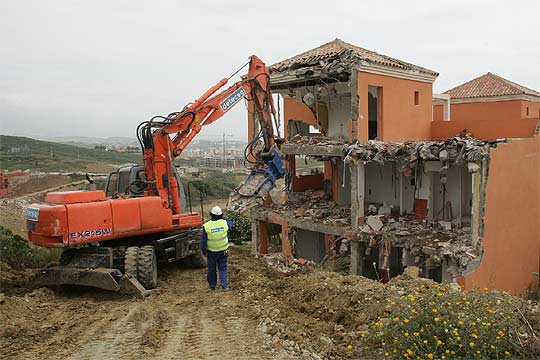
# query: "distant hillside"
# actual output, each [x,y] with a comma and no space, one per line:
[199,143]
[90,142]
[25,153]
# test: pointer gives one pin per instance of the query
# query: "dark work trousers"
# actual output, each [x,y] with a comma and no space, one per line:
[217,260]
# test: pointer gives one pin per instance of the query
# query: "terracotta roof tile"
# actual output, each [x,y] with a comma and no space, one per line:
[489,85]
[339,49]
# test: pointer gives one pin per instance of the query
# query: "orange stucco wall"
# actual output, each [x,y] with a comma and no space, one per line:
[402,119]
[534,109]
[438,112]
[294,111]
[484,129]
[496,111]
[512,233]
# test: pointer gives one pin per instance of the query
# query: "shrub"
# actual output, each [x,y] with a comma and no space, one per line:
[241,231]
[17,252]
[441,322]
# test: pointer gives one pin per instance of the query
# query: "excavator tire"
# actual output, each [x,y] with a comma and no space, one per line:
[131,261]
[147,267]
[197,260]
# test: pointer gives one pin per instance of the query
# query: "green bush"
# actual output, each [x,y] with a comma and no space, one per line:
[18,253]
[241,231]
[444,323]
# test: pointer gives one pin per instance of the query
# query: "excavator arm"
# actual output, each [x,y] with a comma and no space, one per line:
[164,138]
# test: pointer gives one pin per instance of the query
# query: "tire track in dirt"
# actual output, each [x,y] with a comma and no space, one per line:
[121,340]
[212,335]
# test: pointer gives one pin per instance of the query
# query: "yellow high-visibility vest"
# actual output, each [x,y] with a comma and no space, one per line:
[216,231]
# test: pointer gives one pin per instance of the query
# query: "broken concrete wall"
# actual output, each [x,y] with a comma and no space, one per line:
[452,198]
[339,116]
[382,184]
[310,245]
[343,184]
[512,235]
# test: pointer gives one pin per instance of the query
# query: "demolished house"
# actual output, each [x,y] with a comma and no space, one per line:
[373,178]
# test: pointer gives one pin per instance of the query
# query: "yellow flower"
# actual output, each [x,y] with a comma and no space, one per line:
[405,355]
[349,346]
[453,352]
[500,332]
[440,294]
[478,352]
[474,335]
[460,322]
[386,354]
[362,334]
[416,334]
[486,289]
[406,321]
[406,334]
[425,341]
[439,342]
[492,346]
[434,311]
[437,319]
[394,351]
[506,353]
[471,344]
[447,351]
[430,356]
[409,351]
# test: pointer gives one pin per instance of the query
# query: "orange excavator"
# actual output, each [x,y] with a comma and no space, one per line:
[114,239]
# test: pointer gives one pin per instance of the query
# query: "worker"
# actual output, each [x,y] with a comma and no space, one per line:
[215,245]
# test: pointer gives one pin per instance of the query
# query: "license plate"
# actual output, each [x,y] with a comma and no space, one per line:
[32,214]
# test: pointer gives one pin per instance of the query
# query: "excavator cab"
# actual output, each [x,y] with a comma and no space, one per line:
[130,181]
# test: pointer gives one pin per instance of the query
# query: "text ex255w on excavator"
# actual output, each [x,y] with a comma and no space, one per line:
[114,239]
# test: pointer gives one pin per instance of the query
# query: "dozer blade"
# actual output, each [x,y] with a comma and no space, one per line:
[61,275]
[257,186]
[103,278]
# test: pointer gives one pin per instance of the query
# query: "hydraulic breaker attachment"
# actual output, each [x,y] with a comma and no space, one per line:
[259,183]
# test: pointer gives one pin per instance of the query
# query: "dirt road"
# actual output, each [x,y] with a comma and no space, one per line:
[184,320]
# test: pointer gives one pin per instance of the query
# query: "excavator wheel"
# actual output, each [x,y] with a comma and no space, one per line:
[147,267]
[131,261]
[141,262]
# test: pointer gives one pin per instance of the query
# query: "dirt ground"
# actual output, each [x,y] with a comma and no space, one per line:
[183,320]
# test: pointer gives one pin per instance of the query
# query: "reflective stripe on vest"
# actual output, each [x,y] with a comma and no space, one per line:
[216,231]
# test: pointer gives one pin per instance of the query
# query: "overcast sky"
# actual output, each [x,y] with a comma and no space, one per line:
[98,68]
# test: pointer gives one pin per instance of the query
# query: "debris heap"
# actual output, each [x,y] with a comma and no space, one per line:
[458,150]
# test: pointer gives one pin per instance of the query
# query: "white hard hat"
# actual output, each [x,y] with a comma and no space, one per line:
[216,210]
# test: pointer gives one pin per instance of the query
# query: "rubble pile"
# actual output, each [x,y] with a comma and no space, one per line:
[424,242]
[338,64]
[458,150]
[284,265]
[315,140]
[311,205]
